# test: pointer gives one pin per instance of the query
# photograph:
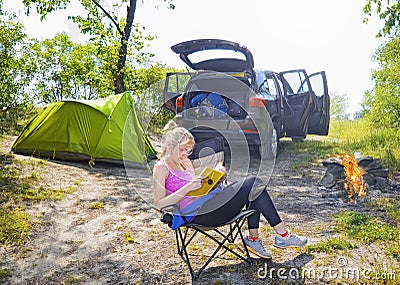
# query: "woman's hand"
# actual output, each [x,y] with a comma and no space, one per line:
[196,183]
[220,167]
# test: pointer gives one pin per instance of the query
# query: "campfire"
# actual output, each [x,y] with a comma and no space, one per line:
[354,183]
[352,177]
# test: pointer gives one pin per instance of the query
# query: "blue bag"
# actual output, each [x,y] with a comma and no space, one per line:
[217,101]
[196,100]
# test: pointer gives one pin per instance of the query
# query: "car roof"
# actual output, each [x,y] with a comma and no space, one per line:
[241,60]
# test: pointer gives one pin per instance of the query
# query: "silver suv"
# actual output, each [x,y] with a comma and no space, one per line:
[225,96]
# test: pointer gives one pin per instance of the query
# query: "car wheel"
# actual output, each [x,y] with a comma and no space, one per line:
[269,150]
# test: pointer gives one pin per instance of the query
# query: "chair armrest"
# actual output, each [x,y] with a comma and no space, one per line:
[169,209]
[167,214]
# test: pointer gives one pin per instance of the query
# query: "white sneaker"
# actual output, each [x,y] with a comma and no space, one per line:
[292,240]
[257,248]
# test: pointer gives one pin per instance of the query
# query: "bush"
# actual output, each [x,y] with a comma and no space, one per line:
[14,119]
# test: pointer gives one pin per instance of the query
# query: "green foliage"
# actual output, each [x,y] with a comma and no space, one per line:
[390,205]
[4,272]
[394,250]
[338,106]
[364,229]
[14,118]
[351,218]
[380,143]
[15,225]
[128,238]
[349,137]
[50,70]
[16,69]
[389,11]
[72,280]
[383,103]
[148,87]
[70,71]
[97,205]
[111,33]
[331,245]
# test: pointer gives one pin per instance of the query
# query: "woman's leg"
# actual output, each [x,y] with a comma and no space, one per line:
[226,204]
[285,238]
[264,205]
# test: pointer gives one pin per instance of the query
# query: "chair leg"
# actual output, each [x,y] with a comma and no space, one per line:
[183,252]
[183,240]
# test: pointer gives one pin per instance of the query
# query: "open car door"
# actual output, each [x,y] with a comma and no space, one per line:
[300,103]
[319,123]
[175,84]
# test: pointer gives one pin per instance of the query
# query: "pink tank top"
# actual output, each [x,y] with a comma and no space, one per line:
[176,180]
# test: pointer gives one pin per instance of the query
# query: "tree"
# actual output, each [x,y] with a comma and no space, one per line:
[389,11]
[383,102]
[116,35]
[338,106]
[66,70]
[16,71]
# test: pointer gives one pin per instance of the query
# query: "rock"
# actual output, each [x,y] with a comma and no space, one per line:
[336,170]
[328,181]
[368,165]
[330,161]
[369,179]
[332,193]
[365,160]
[380,182]
[382,172]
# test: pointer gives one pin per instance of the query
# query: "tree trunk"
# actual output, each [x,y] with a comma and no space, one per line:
[119,83]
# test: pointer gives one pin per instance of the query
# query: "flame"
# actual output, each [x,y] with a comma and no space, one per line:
[354,184]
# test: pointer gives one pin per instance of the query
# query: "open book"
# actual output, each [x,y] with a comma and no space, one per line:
[212,177]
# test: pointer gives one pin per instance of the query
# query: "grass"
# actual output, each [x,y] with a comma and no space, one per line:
[17,188]
[349,137]
[331,245]
[128,238]
[71,280]
[4,273]
[97,205]
[39,193]
[390,205]
[15,225]
[365,229]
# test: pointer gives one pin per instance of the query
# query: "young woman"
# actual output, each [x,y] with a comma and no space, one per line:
[174,179]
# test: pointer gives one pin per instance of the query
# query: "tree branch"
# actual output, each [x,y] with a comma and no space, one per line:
[110,17]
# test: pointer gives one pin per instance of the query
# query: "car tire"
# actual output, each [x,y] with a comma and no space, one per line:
[269,150]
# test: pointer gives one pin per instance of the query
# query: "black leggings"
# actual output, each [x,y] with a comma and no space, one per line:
[228,203]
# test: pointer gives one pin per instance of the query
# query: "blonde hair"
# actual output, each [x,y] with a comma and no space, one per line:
[174,135]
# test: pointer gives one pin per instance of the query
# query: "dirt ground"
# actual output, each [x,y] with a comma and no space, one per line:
[124,242]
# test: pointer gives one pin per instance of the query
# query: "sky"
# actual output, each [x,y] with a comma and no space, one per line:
[316,35]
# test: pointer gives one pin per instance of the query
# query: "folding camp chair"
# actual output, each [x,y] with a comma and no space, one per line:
[229,231]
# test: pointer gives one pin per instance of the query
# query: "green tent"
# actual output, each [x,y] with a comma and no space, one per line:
[106,129]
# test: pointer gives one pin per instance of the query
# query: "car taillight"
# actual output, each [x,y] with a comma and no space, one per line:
[179,104]
[257,102]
